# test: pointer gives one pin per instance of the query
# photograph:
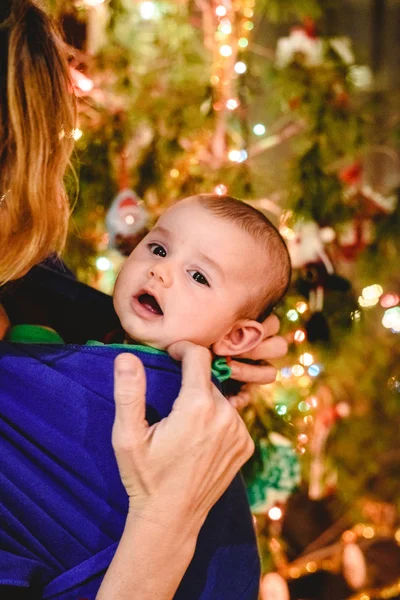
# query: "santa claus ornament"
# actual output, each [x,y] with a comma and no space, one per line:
[126,221]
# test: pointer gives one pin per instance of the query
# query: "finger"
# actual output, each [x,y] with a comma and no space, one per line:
[196,365]
[240,400]
[253,373]
[129,393]
[271,326]
[269,349]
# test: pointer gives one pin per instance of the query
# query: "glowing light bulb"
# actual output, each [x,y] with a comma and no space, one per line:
[299,336]
[94,2]
[391,319]
[225,27]
[243,42]
[240,67]
[225,50]
[234,155]
[389,300]
[77,134]
[248,25]
[372,291]
[220,189]
[103,264]
[281,409]
[292,315]
[259,129]
[275,513]
[314,370]
[232,104]
[303,406]
[286,372]
[306,359]
[220,11]
[174,173]
[147,10]
[367,303]
[297,370]
[301,307]
[82,82]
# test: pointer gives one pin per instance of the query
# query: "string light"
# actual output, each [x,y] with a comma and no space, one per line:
[220,11]
[76,134]
[147,10]
[297,370]
[103,264]
[94,2]
[240,67]
[225,50]
[315,370]
[370,295]
[299,335]
[301,307]
[234,155]
[306,359]
[292,315]
[275,513]
[225,27]
[232,104]
[221,189]
[286,372]
[389,300]
[259,129]
[391,319]
[243,42]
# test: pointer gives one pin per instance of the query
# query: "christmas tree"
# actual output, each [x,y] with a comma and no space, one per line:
[268,102]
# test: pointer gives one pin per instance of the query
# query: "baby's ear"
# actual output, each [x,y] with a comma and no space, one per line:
[243,337]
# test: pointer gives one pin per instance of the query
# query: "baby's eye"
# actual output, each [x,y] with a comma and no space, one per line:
[157,250]
[199,277]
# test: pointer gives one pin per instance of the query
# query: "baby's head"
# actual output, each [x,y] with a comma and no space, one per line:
[207,272]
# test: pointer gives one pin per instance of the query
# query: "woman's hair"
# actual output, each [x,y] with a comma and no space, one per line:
[37,117]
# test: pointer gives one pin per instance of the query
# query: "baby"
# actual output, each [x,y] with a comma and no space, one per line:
[208,272]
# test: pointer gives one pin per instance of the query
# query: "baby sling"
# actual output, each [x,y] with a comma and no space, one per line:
[62,504]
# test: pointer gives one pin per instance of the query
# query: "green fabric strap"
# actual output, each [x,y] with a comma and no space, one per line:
[219,369]
[37,334]
[33,334]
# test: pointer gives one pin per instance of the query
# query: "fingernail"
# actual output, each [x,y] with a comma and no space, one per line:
[124,365]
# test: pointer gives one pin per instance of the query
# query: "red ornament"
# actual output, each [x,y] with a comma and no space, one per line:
[310,27]
[352,173]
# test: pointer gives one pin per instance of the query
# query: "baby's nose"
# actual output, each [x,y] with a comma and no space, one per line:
[162,273]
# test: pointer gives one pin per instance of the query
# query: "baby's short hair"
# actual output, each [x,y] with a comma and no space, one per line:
[256,224]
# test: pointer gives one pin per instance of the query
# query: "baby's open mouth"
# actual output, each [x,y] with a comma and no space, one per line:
[150,304]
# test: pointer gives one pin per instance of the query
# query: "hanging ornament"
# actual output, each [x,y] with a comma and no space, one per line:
[126,221]
[279,476]
[300,46]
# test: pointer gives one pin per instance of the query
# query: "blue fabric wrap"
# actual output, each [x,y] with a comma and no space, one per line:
[62,504]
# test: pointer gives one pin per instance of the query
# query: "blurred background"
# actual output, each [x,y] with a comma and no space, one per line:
[292,106]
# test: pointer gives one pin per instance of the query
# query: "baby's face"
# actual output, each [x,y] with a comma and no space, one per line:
[187,279]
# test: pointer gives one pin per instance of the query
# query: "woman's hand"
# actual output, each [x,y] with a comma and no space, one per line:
[173,471]
[272,347]
[188,459]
